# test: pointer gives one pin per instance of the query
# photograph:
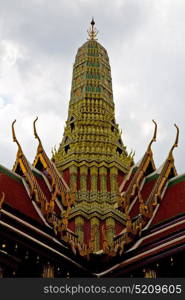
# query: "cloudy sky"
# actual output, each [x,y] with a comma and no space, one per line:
[145,40]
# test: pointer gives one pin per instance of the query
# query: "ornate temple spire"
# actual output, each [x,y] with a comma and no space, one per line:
[92,32]
[92,157]
[91,133]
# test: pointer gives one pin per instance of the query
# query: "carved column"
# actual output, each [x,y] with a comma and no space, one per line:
[114,183]
[79,228]
[73,177]
[110,230]
[94,179]
[103,179]
[83,178]
[95,233]
[48,271]
[113,180]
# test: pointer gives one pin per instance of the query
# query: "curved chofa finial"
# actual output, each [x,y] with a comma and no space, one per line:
[14,136]
[35,131]
[92,32]
[154,135]
[176,140]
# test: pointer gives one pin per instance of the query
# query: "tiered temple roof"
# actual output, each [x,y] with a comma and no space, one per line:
[90,210]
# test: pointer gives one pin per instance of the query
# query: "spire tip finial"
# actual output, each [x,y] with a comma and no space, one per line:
[92,22]
[92,32]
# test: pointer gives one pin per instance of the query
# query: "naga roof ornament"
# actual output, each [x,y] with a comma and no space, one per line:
[176,141]
[154,135]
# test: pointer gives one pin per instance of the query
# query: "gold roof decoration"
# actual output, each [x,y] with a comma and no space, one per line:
[47,206]
[168,171]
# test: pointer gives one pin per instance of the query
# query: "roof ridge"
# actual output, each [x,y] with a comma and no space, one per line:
[176,179]
[11,173]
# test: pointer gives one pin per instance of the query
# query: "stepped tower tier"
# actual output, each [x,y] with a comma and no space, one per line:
[92,157]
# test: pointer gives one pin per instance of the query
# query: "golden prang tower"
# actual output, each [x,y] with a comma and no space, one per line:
[92,157]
